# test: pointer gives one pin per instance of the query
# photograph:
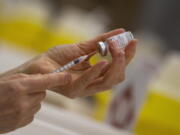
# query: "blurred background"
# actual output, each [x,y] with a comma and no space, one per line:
[146,103]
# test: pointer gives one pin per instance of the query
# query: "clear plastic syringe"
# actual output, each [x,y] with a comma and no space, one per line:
[71,64]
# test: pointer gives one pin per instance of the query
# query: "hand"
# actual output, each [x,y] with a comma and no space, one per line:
[86,79]
[21,95]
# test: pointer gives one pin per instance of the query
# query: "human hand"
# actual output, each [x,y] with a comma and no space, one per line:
[86,79]
[21,95]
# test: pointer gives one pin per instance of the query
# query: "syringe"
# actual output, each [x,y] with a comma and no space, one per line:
[71,64]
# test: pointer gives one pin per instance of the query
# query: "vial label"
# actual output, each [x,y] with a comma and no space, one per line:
[122,39]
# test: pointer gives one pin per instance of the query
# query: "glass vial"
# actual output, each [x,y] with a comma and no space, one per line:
[123,40]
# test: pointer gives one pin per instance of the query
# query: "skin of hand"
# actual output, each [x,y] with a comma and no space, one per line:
[86,80]
[21,96]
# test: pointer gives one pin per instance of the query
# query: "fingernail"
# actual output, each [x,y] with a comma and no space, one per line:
[114,44]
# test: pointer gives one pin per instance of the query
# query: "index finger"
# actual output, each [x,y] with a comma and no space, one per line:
[41,82]
[91,45]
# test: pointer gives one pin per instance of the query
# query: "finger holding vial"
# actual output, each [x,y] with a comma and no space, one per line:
[115,72]
[122,48]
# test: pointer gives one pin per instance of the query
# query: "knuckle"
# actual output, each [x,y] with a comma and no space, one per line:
[38,75]
[118,53]
[21,75]
[23,107]
[16,87]
[86,79]
[36,66]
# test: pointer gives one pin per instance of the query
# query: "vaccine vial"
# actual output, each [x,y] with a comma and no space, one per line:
[122,39]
